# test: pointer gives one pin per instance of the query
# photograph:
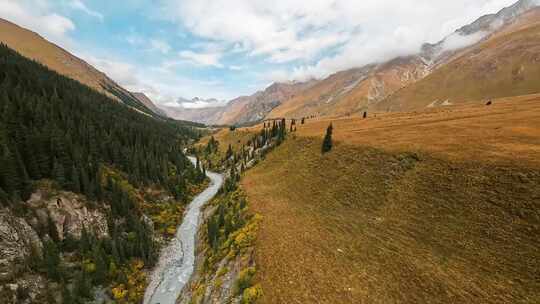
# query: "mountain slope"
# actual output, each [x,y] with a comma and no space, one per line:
[253,108]
[506,64]
[75,167]
[437,206]
[35,47]
[353,90]
[148,103]
[244,109]
[363,88]
[207,116]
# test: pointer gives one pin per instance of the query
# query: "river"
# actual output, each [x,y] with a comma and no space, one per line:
[176,260]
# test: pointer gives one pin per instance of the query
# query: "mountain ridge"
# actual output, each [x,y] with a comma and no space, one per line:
[34,46]
[361,89]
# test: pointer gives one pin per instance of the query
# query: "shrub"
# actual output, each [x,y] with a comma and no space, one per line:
[252,294]
[244,279]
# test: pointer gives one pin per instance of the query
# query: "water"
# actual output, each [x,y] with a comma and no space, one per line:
[176,261]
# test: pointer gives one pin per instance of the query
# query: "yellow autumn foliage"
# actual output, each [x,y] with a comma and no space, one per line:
[133,291]
[252,294]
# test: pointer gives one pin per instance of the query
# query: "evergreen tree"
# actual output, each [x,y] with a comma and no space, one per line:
[100,260]
[52,231]
[67,298]
[327,142]
[75,180]
[229,153]
[9,177]
[59,173]
[51,257]
[4,198]
[82,288]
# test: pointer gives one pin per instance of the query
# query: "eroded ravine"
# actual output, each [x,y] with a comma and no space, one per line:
[176,260]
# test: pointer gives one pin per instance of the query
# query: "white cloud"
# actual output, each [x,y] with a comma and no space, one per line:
[160,45]
[233,67]
[121,72]
[161,85]
[198,103]
[79,5]
[325,36]
[457,41]
[148,44]
[202,59]
[38,16]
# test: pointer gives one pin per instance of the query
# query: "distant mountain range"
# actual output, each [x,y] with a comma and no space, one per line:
[440,74]
[474,62]
[241,110]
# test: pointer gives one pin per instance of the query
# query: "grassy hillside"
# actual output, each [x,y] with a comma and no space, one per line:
[506,65]
[388,216]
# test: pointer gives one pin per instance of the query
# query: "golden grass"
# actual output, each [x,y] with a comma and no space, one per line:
[441,206]
[360,225]
[508,130]
[226,137]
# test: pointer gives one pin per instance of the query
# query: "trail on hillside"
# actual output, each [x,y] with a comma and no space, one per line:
[176,260]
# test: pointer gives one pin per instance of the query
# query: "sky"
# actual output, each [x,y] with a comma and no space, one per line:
[223,49]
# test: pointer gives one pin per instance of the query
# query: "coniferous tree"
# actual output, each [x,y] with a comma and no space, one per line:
[4,198]
[67,297]
[82,287]
[98,256]
[51,258]
[327,142]
[59,173]
[52,231]
[75,180]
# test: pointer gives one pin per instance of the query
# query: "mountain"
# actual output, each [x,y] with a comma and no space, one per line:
[393,82]
[247,109]
[148,103]
[209,115]
[353,90]
[507,63]
[35,47]
[241,110]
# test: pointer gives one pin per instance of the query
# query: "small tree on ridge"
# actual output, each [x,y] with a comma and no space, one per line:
[327,142]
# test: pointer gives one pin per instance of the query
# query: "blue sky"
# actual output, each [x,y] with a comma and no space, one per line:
[226,48]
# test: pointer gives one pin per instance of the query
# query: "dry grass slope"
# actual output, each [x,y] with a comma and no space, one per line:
[506,65]
[389,217]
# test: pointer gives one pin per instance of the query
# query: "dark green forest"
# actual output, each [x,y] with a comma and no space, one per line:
[55,128]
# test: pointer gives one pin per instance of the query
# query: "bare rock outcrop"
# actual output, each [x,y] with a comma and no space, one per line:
[17,240]
[69,212]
